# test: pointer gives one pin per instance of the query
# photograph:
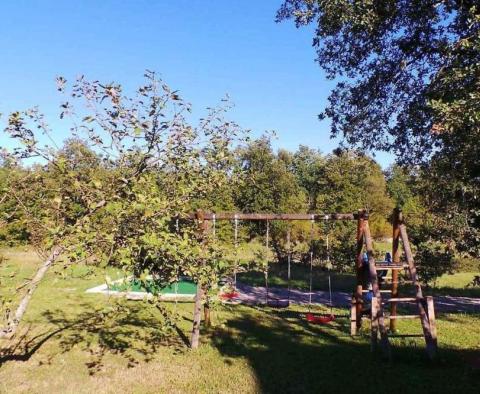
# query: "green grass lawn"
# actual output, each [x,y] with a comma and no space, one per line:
[300,278]
[458,280]
[300,273]
[73,342]
[456,284]
[382,247]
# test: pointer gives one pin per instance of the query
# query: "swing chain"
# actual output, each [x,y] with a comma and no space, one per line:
[266,268]
[289,257]
[329,269]
[311,262]
[236,252]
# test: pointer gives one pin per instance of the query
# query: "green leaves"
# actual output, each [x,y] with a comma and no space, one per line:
[110,192]
[408,77]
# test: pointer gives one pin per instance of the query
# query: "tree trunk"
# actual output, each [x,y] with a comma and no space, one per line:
[197,317]
[12,325]
[206,313]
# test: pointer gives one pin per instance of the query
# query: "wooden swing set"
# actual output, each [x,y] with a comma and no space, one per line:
[364,245]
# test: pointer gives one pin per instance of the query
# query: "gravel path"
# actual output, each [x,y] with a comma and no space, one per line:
[256,295]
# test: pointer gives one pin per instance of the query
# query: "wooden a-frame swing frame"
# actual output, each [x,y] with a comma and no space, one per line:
[364,242]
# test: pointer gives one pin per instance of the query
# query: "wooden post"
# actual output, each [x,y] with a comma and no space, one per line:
[409,256]
[206,313]
[197,317]
[395,261]
[197,308]
[353,316]
[206,306]
[432,349]
[374,324]
[376,291]
[421,304]
[359,272]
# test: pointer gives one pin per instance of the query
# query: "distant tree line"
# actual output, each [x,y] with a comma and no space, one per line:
[258,180]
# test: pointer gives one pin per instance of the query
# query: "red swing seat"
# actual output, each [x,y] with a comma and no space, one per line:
[319,319]
[229,296]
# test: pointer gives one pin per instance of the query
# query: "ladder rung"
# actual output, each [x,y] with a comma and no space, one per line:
[391,266]
[397,317]
[403,299]
[406,336]
[390,282]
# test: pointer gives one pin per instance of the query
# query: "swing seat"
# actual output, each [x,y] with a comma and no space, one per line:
[319,319]
[278,303]
[229,296]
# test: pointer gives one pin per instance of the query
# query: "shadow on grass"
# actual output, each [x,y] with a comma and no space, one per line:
[129,332]
[289,355]
[286,353]
[24,347]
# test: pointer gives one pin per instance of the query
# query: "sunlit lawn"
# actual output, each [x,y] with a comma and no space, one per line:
[76,343]
[300,278]
[457,284]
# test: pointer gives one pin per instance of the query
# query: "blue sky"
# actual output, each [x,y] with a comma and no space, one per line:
[204,48]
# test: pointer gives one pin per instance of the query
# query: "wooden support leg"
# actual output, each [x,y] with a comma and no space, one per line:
[396,261]
[424,319]
[378,319]
[359,271]
[432,346]
[374,324]
[353,317]
[197,317]
[206,312]
[203,226]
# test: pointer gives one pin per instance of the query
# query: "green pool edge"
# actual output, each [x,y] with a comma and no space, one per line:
[184,286]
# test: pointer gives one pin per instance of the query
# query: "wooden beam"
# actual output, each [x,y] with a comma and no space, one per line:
[430,343]
[376,292]
[396,261]
[197,307]
[432,349]
[410,261]
[402,299]
[197,317]
[205,229]
[359,272]
[392,267]
[353,316]
[376,305]
[277,216]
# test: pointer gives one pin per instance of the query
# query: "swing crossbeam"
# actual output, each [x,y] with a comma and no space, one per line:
[267,217]
[277,216]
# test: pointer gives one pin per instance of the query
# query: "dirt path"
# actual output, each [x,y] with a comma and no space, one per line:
[256,295]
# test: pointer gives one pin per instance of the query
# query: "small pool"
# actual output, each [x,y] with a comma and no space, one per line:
[135,289]
[184,286]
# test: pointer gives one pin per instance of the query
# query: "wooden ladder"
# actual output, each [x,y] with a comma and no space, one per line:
[425,306]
